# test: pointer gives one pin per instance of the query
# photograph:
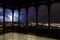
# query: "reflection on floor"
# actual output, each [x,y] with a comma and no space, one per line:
[20,36]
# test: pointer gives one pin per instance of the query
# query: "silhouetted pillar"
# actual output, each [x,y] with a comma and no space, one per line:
[12,19]
[19,19]
[36,16]
[4,20]
[3,23]
[26,19]
[36,19]
[48,14]
[12,27]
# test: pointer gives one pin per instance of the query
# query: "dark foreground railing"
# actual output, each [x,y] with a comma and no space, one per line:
[52,33]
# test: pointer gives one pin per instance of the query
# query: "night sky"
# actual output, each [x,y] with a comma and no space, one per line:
[42,14]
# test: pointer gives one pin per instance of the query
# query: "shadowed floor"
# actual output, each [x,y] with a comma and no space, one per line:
[20,36]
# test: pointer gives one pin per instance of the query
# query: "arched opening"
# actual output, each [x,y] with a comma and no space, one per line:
[32,16]
[32,20]
[43,16]
[55,15]
[1,20]
[15,18]
[23,17]
[8,17]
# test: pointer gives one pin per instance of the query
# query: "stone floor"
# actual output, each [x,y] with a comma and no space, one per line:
[19,36]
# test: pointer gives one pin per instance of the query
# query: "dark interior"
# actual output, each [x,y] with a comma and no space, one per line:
[39,30]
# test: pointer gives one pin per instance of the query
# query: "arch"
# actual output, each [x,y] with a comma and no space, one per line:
[16,15]
[55,13]
[23,15]
[1,14]
[43,14]
[8,15]
[32,14]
